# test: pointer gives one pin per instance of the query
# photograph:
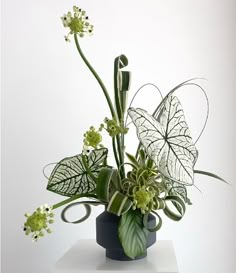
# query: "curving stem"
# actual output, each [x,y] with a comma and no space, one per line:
[112,110]
[73,198]
[113,113]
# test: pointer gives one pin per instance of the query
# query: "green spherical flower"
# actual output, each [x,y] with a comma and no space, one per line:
[143,198]
[92,138]
[38,222]
[78,23]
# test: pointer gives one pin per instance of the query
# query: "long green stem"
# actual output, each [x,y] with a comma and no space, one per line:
[121,156]
[122,140]
[68,200]
[114,148]
[113,113]
[112,110]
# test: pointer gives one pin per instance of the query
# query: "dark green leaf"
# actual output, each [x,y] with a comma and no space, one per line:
[210,174]
[87,211]
[142,157]
[133,160]
[177,189]
[116,181]
[145,222]
[121,84]
[103,184]
[170,213]
[132,234]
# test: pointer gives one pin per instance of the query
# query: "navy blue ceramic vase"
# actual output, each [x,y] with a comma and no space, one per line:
[107,236]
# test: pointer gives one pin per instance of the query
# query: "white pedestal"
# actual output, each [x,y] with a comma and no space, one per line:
[86,256]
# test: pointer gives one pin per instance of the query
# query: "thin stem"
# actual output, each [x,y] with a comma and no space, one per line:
[122,142]
[96,76]
[118,141]
[113,113]
[115,154]
[66,201]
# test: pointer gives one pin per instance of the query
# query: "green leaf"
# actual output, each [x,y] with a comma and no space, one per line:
[170,213]
[121,84]
[177,189]
[119,204]
[103,184]
[142,157]
[133,160]
[210,174]
[80,220]
[115,182]
[108,183]
[70,177]
[145,222]
[181,192]
[87,211]
[132,234]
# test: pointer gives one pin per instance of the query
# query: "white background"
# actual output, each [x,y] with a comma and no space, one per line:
[50,99]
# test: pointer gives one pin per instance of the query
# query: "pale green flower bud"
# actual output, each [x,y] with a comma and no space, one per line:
[41,234]
[49,230]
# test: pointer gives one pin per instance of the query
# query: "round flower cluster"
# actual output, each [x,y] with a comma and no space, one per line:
[37,223]
[78,23]
[92,138]
[143,199]
[113,128]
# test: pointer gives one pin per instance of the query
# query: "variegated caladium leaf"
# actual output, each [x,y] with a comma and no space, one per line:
[70,177]
[177,189]
[168,141]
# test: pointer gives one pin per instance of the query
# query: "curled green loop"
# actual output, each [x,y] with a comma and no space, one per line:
[172,215]
[145,222]
[87,212]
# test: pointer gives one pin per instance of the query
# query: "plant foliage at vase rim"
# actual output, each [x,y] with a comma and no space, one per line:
[154,179]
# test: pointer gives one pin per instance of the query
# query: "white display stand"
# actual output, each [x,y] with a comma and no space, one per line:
[88,257]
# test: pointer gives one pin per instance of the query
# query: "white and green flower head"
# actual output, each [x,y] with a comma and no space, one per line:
[37,223]
[78,23]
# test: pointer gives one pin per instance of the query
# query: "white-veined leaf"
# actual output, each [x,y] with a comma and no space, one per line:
[177,189]
[168,142]
[70,177]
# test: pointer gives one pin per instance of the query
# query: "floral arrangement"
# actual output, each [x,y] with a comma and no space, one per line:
[154,179]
